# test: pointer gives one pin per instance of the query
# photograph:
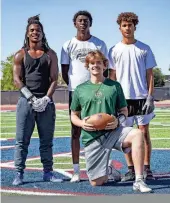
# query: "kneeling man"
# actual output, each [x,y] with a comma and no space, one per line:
[98,95]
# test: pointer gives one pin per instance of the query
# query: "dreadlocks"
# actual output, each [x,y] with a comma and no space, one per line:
[35,20]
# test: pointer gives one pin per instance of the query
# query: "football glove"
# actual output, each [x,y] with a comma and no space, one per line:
[40,104]
[149,105]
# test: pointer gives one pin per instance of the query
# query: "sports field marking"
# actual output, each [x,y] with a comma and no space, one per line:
[14,126]
[13,119]
[62,163]
[4,139]
[67,125]
[13,133]
[160,138]
[160,122]
[12,138]
[7,147]
[61,171]
[21,192]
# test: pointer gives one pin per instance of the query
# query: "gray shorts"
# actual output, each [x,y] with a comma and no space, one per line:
[98,152]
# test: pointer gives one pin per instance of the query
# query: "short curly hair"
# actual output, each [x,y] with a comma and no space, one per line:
[129,17]
[84,13]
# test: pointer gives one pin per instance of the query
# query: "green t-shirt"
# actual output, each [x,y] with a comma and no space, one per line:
[92,98]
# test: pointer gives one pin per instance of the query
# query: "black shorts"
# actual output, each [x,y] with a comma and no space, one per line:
[70,100]
[135,107]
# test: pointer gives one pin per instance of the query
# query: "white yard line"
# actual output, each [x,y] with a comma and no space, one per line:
[67,154]
[159,128]
[160,123]
[57,131]
[6,127]
[160,148]
[61,171]
[14,119]
[6,139]
[21,192]
[64,163]
[7,147]
[14,126]
[160,138]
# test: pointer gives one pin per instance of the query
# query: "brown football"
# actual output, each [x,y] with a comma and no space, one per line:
[100,120]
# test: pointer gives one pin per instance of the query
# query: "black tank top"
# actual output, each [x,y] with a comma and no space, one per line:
[36,74]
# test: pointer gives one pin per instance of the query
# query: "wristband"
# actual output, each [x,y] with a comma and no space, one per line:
[27,94]
[121,118]
[150,98]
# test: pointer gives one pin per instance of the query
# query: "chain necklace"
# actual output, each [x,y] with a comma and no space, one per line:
[98,94]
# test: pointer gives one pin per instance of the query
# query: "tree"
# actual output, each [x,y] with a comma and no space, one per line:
[159,78]
[60,80]
[7,76]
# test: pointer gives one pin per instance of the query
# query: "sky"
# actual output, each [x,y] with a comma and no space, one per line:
[56,16]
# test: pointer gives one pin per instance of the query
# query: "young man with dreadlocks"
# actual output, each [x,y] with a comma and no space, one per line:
[133,62]
[35,73]
[74,73]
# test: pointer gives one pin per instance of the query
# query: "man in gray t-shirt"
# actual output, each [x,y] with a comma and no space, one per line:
[132,64]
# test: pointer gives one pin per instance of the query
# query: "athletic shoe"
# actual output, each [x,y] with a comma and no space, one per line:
[18,179]
[129,176]
[141,186]
[148,175]
[75,178]
[115,175]
[50,177]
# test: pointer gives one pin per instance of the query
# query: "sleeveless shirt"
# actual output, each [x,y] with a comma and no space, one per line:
[36,74]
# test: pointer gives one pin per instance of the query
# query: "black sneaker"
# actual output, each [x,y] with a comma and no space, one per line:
[129,176]
[18,179]
[50,177]
[148,175]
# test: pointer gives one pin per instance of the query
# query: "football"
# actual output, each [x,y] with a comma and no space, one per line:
[100,120]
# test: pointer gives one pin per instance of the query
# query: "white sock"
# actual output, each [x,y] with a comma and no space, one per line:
[139,177]
[110,162]
[76,168]
[109,170]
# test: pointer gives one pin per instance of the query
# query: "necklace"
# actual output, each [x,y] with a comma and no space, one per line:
[97,93]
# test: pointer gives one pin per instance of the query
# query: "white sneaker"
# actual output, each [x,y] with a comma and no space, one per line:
[141,186]
[115,175]
[75,178]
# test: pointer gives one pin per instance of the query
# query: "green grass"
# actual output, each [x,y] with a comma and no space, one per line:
[160,143]
[56,134]
[57,129]
[160,133]
[157,130]
[158,126]
[59,163]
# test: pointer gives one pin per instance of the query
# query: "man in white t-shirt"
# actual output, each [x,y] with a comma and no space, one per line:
[74,72]
[132,64]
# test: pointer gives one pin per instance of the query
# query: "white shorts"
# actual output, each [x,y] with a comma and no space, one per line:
[139,120]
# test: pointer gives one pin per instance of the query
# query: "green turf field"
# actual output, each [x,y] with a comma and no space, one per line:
[159,126]
[159,132]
